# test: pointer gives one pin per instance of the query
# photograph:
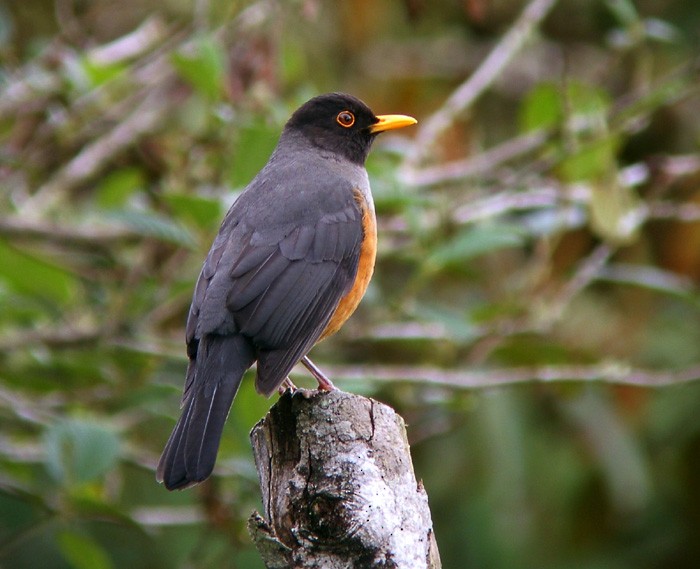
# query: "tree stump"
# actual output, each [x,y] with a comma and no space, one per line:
[338,488]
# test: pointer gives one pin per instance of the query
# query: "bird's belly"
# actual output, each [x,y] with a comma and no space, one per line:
[365,269]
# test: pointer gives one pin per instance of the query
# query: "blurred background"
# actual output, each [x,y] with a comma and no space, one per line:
[535,312]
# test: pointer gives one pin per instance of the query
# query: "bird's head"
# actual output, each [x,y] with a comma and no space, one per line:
[342,124]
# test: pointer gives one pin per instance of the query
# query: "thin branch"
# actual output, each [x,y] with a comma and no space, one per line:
[87,236]
[507,202]
[39,411]
[648,277]
[688,212]
[480,80]
[478,165]
[161,516]
[51,338]
[604,372]
[136,43]
[587,271]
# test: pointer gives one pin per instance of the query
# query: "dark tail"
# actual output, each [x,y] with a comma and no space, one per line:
[191,450]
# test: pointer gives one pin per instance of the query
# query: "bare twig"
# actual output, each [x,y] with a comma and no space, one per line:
[87,236]
[162,516]
[507,202]
[687,212]
[648,277]
[604,372]
[480,80]
[50,337]
[479,165]
[134,44]
[39,411]
[588,270]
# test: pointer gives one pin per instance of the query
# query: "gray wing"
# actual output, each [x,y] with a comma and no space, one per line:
[276,278]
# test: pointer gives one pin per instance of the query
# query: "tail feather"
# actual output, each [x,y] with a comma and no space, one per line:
[190,453]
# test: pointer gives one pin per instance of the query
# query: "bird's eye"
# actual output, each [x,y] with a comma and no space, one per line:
[345,119]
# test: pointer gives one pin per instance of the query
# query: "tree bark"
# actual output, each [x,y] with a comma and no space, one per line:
[338,487]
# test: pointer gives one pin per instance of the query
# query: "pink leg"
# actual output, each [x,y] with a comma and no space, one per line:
[324,383]
[286,384]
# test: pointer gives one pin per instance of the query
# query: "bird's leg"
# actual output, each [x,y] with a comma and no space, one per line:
[324,384]
[286,384]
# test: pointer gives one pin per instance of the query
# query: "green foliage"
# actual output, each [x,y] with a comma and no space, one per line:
[150,224]
[34,277]
[98,74]
[115,189]
[202,66]
[78,451]
[474,241]
[588,151]
[203,212]
[556,240]
[543,107]
[82,552]
[255,142]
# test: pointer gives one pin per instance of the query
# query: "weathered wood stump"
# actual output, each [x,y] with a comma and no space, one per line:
[338,488]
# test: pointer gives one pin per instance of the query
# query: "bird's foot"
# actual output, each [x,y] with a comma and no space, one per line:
[285,385]
[324,384]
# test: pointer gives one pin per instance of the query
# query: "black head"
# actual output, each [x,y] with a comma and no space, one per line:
[342,124]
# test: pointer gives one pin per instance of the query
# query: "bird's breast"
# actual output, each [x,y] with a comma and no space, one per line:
[365,267]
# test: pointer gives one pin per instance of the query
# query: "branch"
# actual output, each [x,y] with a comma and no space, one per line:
[588,270]
[338,486]
[55,338]
[87,236]
[479,165]
[136,43]
[480,80]
[688,212]
[617,373]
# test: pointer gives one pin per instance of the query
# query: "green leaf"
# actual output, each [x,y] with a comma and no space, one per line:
[194,116]
[584,100]
[619,454]
[662,31]
[591,161]
[256,141]
[542,108]
[116,187]
[391,196]
[100,73]
[151,224]
[457,325]
[82,552]
[614,212]
[202,67]
[293,65]
[79,450]
[204,212]
[624,11]
[475,241]
[584,107]
[33,276]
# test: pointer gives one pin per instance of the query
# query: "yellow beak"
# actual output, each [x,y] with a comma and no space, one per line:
[390,122]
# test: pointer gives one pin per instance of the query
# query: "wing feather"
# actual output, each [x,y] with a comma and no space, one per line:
[278,285]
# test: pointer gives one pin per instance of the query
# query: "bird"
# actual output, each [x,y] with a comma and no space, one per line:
[291,261]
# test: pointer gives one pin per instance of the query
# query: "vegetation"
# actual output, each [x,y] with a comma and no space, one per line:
[535,314]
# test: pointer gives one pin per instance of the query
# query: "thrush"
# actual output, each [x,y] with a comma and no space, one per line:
[290,264]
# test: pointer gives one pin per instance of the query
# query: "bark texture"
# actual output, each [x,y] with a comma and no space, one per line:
[338,487]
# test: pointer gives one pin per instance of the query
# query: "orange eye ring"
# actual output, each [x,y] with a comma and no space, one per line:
[345,119]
